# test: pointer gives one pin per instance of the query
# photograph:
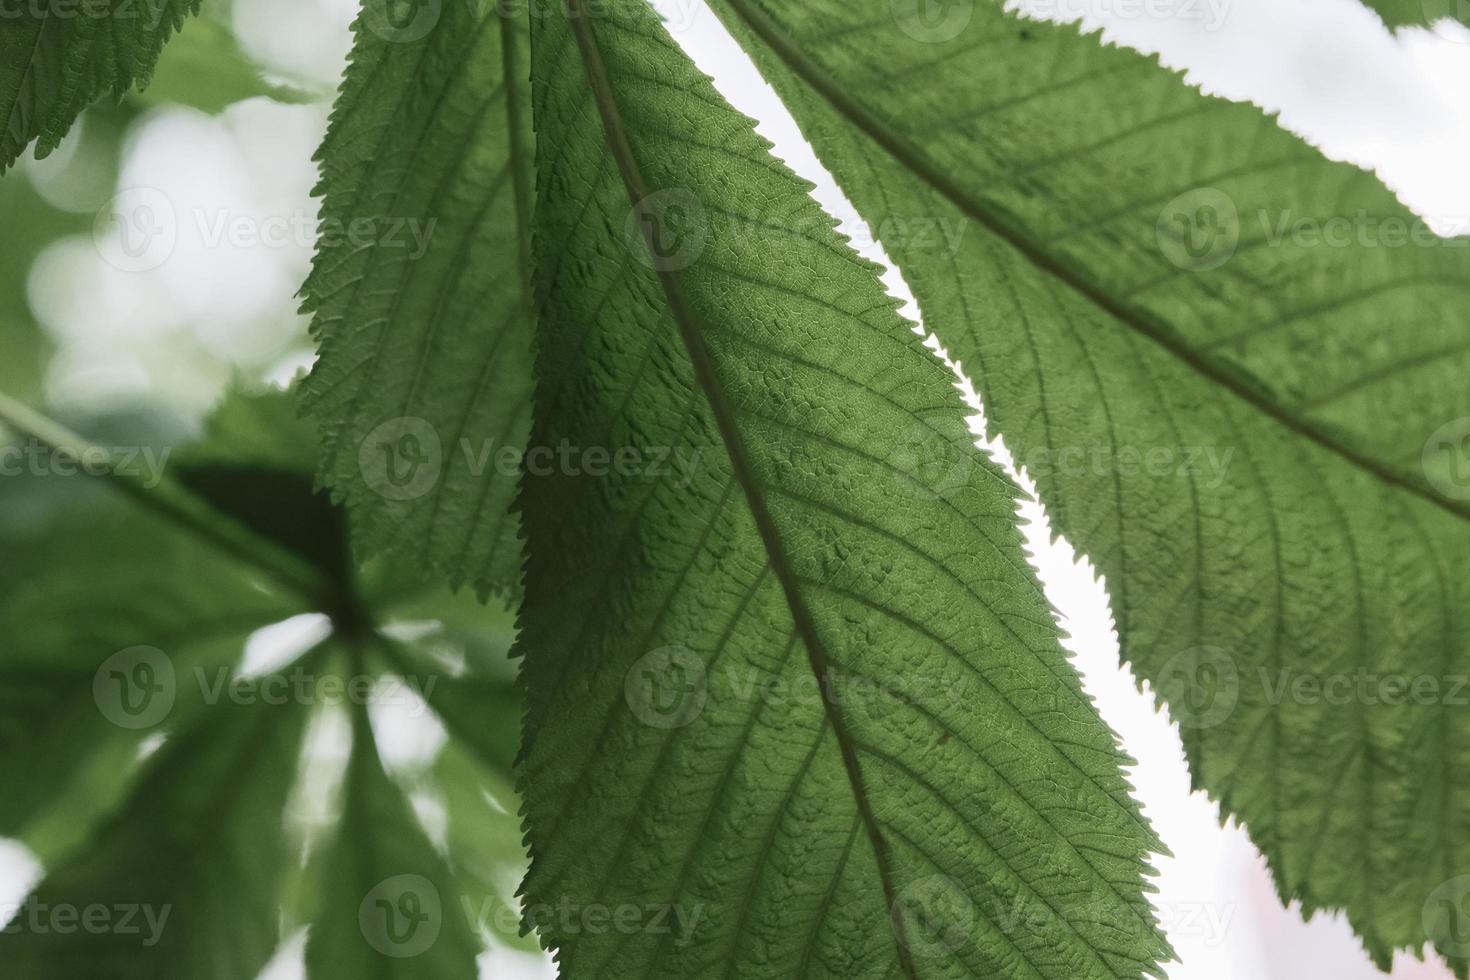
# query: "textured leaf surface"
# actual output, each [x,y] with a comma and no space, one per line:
[57,59]
[1258,436]
[954,807]
[423,383]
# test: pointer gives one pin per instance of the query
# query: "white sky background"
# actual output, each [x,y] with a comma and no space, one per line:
[1395,104]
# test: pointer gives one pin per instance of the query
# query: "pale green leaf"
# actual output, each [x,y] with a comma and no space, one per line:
[389,908]
[126,622]
[463,668]
[184,881]
[90,595]
[954,807]
[1235,370]
[205,69]
[484,839]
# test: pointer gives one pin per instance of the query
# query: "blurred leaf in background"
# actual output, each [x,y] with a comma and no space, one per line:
[167,340]
[131,624]
[206,69]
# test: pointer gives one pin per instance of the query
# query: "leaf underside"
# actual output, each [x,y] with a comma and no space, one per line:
[1260,445]
[953,806]
[422,388]
[1254,435]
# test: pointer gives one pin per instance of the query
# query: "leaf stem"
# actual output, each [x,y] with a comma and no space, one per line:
[174,502]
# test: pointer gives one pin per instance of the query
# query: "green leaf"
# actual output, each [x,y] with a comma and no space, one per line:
[954,806]
[477,700]
[1420,13]
[255,455]
[423,384]
[90,596]
[389,907]
[57,59]
[127,617]
[463,667]
[484,838]
[184,882]
[1235,370]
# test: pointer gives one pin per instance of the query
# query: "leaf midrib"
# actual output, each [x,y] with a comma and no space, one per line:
[1154,328]
[680,311]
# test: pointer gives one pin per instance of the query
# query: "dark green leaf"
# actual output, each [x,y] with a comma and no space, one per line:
[56,59]
[1235,370]
[952,806]
[423,386]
